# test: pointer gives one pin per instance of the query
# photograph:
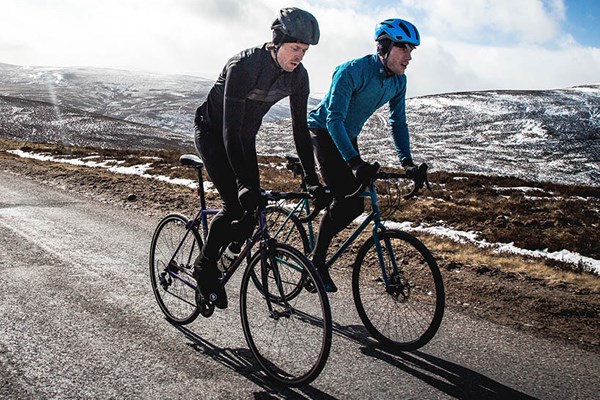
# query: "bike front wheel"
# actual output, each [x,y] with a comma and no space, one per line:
[173,251]
[290,338]
[398,290]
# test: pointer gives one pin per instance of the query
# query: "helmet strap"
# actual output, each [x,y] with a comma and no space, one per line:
[384,48]
[275,52]
[384,58]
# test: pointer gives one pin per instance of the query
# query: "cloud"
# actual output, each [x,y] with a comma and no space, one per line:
[478,21]
[467,44]
[454,66]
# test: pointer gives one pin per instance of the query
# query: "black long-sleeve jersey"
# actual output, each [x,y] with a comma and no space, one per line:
[249,85]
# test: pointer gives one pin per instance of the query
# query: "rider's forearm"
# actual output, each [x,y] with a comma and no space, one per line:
[302,139]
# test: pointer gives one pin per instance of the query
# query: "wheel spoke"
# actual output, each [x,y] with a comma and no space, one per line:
[290,338]
[172,253]
[407,313]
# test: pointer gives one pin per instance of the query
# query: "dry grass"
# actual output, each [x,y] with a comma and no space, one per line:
[453,253]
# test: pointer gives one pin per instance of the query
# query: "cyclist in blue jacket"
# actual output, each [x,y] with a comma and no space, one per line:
[359,87]
[227,123]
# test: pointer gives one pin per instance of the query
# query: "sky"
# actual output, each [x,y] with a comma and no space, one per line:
[466,45]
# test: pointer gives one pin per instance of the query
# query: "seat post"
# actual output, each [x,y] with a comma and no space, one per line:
[201,187]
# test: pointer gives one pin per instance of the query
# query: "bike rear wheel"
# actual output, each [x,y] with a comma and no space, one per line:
[406,314]
[290,338]
[171,266]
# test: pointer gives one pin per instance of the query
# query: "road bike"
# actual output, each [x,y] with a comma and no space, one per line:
[397,286]
[290,336]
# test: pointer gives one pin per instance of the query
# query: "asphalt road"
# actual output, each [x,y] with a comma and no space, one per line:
[78,320]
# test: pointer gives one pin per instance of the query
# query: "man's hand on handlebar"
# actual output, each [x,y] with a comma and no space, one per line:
[363,171]
[321,195]
[411,170]
[417,174]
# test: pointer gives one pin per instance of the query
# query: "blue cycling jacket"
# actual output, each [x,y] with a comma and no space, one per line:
[359,87]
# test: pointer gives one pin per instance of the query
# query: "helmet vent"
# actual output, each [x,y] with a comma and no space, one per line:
[403,26]
[398,30]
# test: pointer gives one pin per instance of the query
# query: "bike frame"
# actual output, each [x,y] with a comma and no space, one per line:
[260,235]
[373,217]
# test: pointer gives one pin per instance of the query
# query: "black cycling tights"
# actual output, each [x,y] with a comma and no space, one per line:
[338,176]
[212,151]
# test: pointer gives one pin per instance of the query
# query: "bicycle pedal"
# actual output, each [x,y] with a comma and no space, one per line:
[206,307]
[163,280]
[310,287]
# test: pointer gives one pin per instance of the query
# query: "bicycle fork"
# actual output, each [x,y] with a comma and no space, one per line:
[393,281]
[268,263]
[393,278]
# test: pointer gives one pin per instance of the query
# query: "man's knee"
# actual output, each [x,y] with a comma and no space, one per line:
[344,211]
[356,207]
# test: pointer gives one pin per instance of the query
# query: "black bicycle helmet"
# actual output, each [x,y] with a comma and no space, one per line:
[295,25]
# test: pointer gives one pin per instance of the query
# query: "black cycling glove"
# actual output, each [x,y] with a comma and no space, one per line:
[321,195]
[363,171]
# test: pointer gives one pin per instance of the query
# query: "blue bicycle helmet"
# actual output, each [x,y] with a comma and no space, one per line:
[398,31]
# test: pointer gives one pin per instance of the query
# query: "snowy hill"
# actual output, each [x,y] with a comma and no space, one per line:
[37,121]
[549,135]
[167,101]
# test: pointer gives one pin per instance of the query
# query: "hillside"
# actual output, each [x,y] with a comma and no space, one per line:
[551,135]
[164,101]
[37,121]
[543,135]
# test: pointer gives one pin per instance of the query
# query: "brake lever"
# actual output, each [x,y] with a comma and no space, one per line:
[420,180]
[317,207]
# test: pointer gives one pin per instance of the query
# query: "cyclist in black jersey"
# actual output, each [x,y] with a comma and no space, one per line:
[226,126]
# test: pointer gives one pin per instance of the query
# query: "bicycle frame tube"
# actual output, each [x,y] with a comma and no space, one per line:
[200,220]
[204,220]
[373,216]
[311,234]
[297,209]
[256,236]
[344,246]
[378,226]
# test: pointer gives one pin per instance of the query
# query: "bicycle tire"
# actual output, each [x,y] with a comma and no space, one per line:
[286,227]
[172,282]
[292,341]
[408,314]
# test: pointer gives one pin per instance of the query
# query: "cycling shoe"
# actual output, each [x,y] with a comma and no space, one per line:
[327,282]
[207,276]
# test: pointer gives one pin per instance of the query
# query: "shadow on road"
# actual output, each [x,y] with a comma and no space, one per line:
[242,361]
[450,378]
[453,379]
